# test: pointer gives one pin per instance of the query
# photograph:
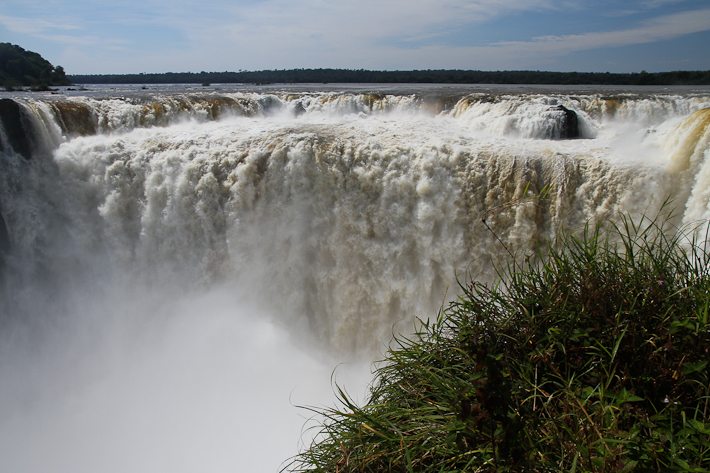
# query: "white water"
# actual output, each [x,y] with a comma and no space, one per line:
[173,290]
[204,384]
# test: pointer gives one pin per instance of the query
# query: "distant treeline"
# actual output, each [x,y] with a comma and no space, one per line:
[417,76]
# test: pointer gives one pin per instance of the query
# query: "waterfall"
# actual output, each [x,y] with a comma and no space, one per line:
[337,217]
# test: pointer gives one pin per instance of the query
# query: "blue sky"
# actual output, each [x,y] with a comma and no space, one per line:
[129,36]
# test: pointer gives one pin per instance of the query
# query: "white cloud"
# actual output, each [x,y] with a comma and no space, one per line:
[34,26]
[364,19]
[346,33]
[66,33]
[657,29]
[231,35]
[546,52]
[643,6]
[660,3]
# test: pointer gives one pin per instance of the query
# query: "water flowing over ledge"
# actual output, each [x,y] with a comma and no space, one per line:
[354,211]
[177,270]
[522,114]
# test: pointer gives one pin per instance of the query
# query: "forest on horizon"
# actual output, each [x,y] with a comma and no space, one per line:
[439,76]
[22,68]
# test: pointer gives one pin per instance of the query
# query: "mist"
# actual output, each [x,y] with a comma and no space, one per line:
[145,381]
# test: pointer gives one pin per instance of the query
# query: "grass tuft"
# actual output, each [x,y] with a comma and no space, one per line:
[593,360]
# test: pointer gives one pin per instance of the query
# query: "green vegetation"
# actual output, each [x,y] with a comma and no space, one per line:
[20,68]
[593,360]
[298,76]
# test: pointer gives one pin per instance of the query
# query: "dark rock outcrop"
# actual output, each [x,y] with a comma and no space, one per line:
[18,137]
[570,123]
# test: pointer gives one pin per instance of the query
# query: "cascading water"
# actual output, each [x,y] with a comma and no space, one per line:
[178,268]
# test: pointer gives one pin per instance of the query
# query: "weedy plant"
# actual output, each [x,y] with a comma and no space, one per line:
[594,359]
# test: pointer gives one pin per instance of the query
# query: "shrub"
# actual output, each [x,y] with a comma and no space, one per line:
[593,359]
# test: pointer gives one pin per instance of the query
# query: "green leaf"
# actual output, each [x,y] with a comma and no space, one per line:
[699,426]
[630,466]
[689,368]
[626,396]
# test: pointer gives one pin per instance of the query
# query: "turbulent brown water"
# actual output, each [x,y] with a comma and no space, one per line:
[180,267]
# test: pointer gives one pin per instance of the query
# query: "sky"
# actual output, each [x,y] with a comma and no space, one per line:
[133,36]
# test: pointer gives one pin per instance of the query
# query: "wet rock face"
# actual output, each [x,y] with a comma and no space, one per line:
[570,123]
[16,135]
